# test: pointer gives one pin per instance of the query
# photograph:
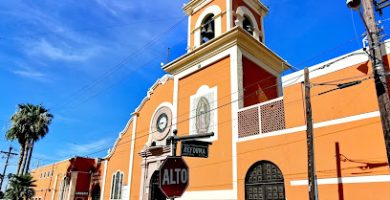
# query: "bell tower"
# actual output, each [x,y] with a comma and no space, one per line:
[209,19]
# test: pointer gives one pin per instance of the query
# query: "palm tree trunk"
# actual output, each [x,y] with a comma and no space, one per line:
[29,156]
[21,154]
[27,146]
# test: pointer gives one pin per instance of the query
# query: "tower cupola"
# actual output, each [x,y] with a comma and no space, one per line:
[209,19]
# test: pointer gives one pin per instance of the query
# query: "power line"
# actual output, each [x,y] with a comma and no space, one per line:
[115,68]
[319,68]
[147,132]
[2,37]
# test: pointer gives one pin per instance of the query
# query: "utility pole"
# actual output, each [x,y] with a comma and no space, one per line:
[9,154]
[380,75]
[311,172]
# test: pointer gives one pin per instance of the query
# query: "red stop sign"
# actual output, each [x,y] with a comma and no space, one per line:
[174,177]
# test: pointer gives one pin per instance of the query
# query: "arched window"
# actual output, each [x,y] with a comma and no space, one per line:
[264,181]
[207,29]
[116,185]
[248,25]
[63,188]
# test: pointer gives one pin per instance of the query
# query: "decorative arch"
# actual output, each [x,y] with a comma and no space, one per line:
[214,10]
[243,13]
[264,180]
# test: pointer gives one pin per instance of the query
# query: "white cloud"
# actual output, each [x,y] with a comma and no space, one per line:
[61,51]
[114,7]
[83,149]
[30,73]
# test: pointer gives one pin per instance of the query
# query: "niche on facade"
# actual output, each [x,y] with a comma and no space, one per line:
[204,112]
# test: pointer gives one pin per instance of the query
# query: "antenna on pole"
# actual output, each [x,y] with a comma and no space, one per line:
[168,52]
[167,60]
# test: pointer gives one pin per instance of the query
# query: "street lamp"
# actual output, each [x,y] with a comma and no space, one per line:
[353,4]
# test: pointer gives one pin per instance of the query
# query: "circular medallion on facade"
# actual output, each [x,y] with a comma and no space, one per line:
[202,116]
[161,123]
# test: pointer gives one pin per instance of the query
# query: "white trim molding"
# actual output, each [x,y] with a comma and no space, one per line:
[323,68]
[229,15]
[209,195]
[131,162]
[345,180]
[236,94]
[104,179]
[200,6]
[315,125]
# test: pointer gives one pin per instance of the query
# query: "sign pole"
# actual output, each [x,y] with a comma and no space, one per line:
[180,171]
[174,146]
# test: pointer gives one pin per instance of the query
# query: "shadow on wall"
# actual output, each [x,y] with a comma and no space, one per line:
[365,167]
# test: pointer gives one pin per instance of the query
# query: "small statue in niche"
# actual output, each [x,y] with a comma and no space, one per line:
[202,116]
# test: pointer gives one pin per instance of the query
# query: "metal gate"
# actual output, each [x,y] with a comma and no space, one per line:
[264,181]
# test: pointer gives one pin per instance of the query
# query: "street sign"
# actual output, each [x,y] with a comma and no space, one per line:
[195,148]
[174,177]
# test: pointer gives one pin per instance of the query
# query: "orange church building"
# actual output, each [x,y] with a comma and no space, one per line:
[230,83]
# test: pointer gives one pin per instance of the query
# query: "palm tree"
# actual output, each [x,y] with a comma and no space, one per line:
[29,124]
[20,187]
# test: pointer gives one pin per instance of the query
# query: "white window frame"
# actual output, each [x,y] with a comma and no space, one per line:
[114,185]
[63,188]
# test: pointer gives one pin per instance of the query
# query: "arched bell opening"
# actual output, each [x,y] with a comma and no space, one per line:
[207,29]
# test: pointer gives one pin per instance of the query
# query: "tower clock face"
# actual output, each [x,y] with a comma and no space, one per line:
[161,123]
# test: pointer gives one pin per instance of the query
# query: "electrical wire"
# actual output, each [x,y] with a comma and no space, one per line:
[237,91]
[91,28]
[116,67]
[147,134]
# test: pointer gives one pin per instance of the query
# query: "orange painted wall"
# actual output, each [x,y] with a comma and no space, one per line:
[195,16]
[163,93]
[336,104]
[44,186]
[119,161]
[360,141]
[215,172]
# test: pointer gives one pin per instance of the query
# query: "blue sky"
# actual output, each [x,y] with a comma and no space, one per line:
[91,62]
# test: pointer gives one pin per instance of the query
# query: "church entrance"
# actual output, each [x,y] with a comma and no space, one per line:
[155,192]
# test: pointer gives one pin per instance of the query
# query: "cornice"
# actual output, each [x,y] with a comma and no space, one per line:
[154,151]
[258,6]
[236,36]
[193,5]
